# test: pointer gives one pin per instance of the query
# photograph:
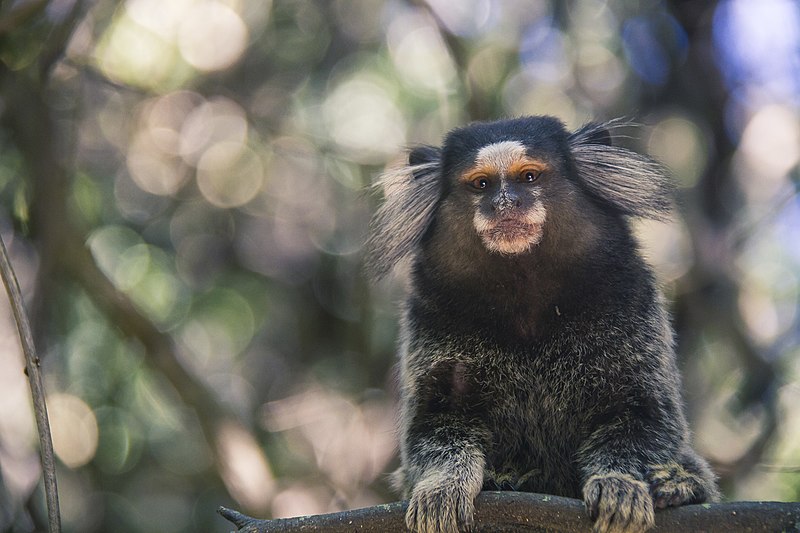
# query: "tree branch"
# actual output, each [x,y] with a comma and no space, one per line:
[80,266]
[34,374]
[524,511]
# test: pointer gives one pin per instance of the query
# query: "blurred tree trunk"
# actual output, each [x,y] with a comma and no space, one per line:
[47,152]
[707,296]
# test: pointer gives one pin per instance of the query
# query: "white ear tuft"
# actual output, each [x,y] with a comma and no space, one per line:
[411,196]
[631,183]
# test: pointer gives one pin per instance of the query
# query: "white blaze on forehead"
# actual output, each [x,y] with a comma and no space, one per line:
[499,156]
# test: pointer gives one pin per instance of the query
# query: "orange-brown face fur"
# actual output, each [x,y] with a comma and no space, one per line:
[508,229]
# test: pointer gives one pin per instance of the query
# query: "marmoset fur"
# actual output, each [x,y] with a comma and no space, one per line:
[536,351]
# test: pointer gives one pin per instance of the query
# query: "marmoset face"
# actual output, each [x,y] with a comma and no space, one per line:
[517,188]
[504,186]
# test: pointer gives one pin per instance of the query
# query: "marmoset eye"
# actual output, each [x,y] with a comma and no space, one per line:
[480,184]
[529,176]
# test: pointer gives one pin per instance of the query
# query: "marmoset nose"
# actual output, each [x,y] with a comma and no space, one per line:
[505,201]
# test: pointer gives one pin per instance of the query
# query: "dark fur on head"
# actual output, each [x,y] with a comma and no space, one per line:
[536,352]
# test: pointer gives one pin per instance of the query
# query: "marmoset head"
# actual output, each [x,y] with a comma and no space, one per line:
[501,173]
[510,182]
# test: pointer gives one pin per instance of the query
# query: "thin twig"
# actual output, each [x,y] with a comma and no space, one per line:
[781,469]
[34,374]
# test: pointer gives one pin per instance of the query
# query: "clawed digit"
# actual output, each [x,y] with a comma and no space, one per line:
[618,503]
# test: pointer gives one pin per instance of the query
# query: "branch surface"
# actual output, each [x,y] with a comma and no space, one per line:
[525,512]
[34,374]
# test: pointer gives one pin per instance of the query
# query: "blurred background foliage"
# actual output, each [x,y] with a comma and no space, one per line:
[184,192]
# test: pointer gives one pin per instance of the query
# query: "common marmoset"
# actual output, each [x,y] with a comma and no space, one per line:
[536,352]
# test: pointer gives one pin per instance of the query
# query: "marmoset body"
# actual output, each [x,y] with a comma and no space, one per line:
[536,351]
